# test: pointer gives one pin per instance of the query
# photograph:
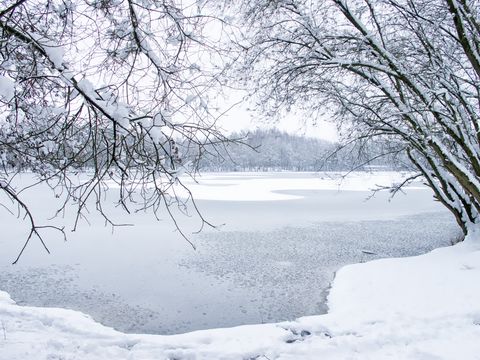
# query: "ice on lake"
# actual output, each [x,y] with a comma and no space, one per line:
[284,236]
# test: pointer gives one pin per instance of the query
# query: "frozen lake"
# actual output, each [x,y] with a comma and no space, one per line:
[285,235]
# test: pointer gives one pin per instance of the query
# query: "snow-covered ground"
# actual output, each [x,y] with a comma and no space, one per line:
[273,260]
[424,307]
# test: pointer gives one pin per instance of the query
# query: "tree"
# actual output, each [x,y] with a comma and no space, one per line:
[404,72]
[116,87]
[272,150]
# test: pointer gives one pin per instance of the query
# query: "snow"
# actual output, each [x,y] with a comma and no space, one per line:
[423,307]
[87,87]
[237,275]
[55,54]
[54,51]
[7,88]
[119,112]
[263,187]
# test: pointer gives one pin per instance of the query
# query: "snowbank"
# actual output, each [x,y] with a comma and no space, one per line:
[423,307]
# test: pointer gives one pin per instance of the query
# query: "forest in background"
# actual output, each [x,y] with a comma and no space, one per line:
[274,150]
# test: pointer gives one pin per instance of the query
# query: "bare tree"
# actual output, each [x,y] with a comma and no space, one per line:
[118,88]
[401,71]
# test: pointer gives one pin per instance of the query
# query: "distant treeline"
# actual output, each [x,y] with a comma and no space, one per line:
[274,150]
[259,150]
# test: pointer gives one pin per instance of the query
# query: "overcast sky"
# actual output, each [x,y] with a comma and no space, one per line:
[239,118]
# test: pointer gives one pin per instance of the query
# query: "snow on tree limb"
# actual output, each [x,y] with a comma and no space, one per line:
[395,70]
[100,86]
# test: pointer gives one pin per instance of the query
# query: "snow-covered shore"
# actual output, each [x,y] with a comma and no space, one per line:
[423,307]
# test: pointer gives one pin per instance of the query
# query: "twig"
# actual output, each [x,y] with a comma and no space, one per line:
[33,226]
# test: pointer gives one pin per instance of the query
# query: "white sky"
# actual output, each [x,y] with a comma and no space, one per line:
[240,118]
